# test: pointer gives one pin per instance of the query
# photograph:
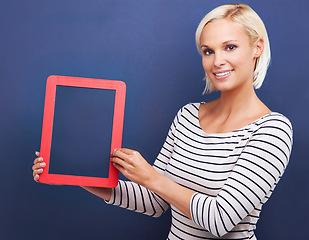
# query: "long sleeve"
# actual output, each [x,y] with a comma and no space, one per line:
[137,198]
[232,174]
[259,167]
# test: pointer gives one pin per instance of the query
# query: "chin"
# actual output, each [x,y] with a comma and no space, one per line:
[229,86]
[224,88]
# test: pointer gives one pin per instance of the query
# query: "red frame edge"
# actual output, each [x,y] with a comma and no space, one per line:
[47,129]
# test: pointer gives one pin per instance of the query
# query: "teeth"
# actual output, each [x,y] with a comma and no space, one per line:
[222,74]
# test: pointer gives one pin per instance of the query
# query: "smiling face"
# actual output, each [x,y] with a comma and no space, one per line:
[228,54]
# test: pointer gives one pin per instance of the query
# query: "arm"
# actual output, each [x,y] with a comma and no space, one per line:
[127,194]
[135,167]
[104,193]
[38,168]
[136,197]
[259,167]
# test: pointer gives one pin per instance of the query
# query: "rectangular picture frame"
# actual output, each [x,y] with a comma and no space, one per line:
[47,129]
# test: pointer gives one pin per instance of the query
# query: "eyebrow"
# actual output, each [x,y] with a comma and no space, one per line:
[224,43]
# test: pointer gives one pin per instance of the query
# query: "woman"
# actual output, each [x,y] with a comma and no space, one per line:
[222,159]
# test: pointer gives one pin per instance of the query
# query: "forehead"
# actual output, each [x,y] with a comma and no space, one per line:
[222,30]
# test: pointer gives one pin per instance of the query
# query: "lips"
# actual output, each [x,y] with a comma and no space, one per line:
[223,74]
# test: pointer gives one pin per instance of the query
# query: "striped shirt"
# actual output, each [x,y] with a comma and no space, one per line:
[233,174]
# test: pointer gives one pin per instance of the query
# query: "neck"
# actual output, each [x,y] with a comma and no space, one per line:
[238,101]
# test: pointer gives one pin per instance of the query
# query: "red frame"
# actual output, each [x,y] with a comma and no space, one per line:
[50,97]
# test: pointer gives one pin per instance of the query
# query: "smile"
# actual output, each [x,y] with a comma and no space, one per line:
[223,74]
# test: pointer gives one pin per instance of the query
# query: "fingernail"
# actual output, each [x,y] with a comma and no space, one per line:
[40,159]
[40,170]
[43,164]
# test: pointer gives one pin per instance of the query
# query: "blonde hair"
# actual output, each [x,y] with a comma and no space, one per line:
[255,28]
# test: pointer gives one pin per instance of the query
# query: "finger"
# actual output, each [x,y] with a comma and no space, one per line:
[118,161]
[125,154]
[37,172]
[39,163]
[118,167]
[37,160]
[37,153]
[119,154]
[36,178]
[124,162]
[127,151]
[38,166]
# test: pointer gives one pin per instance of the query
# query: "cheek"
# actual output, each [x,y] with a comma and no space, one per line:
[246,57]
[206,62]
[243,61]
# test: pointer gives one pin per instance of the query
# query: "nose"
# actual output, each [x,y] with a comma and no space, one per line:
[219,59]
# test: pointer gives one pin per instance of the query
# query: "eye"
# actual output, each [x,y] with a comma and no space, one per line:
[208,51]
[230,47]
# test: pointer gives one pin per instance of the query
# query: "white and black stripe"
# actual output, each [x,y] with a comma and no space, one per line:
[233,175]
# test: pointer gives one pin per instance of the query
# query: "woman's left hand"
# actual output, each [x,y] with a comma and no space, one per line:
[134,167]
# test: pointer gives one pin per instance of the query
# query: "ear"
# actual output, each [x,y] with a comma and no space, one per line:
[259,47]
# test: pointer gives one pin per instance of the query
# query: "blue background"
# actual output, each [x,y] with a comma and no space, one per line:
[150,46]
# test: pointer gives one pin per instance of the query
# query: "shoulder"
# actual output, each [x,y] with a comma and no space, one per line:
[275,123]
[189,112]
[275,119]
[189,109]
[191,106]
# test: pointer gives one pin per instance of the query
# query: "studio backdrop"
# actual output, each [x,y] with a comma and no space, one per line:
[150,46]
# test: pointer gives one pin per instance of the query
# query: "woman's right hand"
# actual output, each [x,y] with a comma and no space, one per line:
[38,166]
